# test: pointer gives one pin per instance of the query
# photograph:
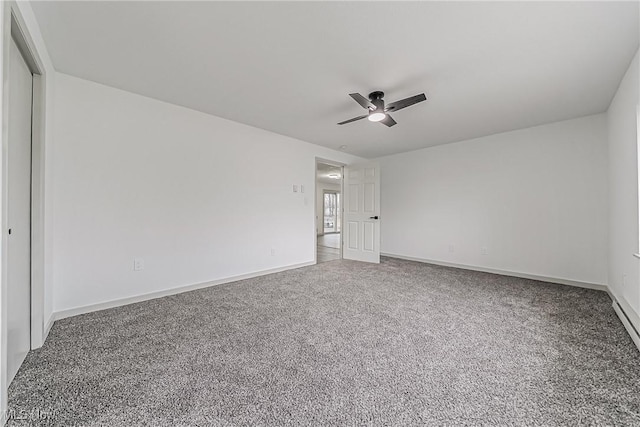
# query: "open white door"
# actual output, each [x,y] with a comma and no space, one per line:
[361,232]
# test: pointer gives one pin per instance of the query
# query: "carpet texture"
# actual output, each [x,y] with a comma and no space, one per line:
[341,343]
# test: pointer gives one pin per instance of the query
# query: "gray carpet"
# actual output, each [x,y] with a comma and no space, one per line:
[341,343]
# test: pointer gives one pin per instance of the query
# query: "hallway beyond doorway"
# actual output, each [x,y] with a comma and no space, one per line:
[328,247]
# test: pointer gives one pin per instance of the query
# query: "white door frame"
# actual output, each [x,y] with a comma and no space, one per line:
[315,201]
[14,26]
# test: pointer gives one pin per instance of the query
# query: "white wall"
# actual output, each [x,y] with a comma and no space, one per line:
[320,188]
[622,116]
[535,198]
[199,198]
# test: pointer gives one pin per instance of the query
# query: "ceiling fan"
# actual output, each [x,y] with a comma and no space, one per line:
[377,110]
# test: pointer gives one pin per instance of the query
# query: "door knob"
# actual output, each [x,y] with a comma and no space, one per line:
[373,217]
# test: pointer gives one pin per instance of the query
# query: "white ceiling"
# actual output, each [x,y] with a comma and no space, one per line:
[288,67]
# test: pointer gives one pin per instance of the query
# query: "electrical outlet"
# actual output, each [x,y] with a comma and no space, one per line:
[301,188]
[273,251]
[138,264]
[295,188]
[484,250]
[451,248]
[624,280]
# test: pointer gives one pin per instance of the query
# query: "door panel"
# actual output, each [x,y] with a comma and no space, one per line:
[353,198]
[362,210]
[19,212]
[369,198]
[369,235]
[353,235]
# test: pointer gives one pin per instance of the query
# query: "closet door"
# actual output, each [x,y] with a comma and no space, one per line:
[19,212]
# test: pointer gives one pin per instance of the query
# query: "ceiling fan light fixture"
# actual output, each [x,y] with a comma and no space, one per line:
[376,108]
[376,116]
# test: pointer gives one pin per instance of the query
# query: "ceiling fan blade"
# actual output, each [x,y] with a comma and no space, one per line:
[388,120]
[404,103]
[353,120]
[362,101]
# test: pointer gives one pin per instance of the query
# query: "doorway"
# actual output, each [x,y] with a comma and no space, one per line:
[328,211]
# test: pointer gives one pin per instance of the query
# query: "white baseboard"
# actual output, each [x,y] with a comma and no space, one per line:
[628,316]
[62,314]
[568,282]
[626,321]
[48,326]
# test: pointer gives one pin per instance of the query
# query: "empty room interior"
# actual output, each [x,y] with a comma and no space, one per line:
[319,213]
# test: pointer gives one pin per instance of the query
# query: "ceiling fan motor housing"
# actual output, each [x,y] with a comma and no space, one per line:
[376,99]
